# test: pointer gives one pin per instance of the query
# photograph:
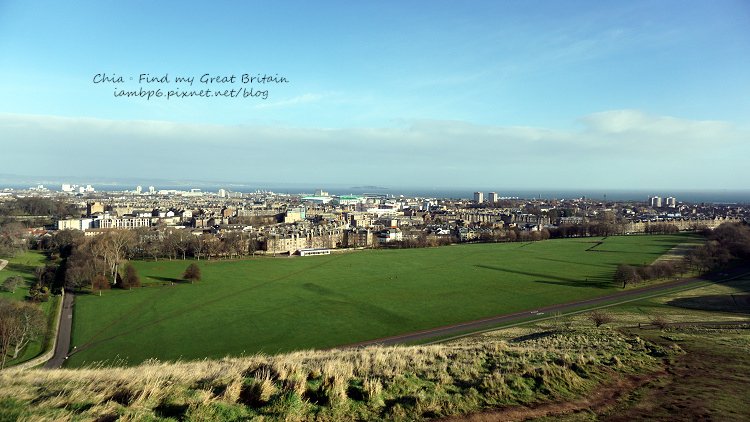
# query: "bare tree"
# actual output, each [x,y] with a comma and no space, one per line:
[199,247]
[11,283]
[64,241]
[82,266]
[119,243]
[660,321]
[212,245]
[12,238]
[234,244]
[626,274]
[600,317]
[179,242]
[154,247]
[20,323]
[31,325]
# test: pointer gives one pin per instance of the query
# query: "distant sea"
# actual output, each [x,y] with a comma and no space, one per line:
[707,196]
[718,196]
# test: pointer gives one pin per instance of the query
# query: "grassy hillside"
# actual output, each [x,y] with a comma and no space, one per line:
[708,380]
[24,265]
[711,380]
[399,383]
[277,305]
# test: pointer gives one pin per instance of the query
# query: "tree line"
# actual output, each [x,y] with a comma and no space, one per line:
[728,242]
[12,239]
[35,211]
[20,324]
[515,234]
[102,261]
[607,228]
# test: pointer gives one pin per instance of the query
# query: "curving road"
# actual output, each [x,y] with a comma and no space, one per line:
[467,328]
[63,333]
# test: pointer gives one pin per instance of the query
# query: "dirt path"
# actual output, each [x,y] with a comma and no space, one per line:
[495,321]
[3,263]
[711,382]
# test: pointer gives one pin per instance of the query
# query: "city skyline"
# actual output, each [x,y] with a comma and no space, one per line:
[584,95]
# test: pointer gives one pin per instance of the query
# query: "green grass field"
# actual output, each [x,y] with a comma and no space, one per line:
[24,265]
[275,305]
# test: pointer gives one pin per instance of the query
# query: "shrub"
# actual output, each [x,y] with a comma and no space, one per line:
[600,317]
[192,273]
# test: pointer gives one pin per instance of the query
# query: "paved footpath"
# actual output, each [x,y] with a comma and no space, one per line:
[498,321]
[3,263]
[63,334]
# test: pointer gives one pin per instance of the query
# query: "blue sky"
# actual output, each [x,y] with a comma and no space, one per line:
[523,94]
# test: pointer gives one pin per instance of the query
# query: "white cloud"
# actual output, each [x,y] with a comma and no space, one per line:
[419,152]
[637,122]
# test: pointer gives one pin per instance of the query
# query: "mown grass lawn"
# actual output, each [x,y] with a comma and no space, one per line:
[274,305]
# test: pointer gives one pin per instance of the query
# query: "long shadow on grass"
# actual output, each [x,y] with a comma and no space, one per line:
[610,251]
[578,263]
[736,303]
[348,304]
[533,336]
[168,279]
[548,276]
[26,269]
[595,283]
[315,288]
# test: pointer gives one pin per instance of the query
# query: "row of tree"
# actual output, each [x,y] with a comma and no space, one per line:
[147,243]
[607,228]
[37,206]
[629,274]
[515,234]
[35,211]
[20,324]
[725,243]
[101,262]
[12,239]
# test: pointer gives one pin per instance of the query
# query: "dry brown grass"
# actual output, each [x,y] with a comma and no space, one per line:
[370,383]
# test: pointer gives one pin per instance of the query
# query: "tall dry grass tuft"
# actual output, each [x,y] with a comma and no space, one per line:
[494,385]
[233,390]
[336,375]
[373,390]
[285,367]
[259,390]
[296,383]
[151,387]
